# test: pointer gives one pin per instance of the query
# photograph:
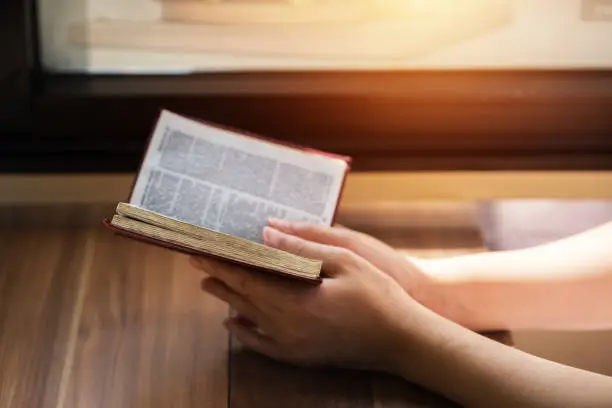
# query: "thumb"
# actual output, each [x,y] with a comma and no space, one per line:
[335,259]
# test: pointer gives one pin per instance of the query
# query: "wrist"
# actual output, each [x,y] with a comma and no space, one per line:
[431,347]
[455,291]
[412,338]
[447,291]
[453,361]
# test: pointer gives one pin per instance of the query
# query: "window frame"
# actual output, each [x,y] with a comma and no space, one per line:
[400,120]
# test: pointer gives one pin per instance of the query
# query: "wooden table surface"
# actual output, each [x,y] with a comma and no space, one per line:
[89,319]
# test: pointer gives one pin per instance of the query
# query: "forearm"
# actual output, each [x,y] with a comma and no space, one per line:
[477,372]
[563,285]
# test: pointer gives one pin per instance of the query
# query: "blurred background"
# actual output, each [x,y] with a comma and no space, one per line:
[474,125]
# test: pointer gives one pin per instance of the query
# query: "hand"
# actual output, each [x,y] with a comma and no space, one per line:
[355,318]
[407,273]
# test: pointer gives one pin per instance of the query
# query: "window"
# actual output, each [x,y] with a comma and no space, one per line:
[396,84]
[179,36]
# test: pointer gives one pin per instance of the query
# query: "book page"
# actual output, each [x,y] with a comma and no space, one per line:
[217,179]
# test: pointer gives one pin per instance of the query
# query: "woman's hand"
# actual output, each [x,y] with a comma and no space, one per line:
[408,272]
[357,317]
[379,254]
[360,317]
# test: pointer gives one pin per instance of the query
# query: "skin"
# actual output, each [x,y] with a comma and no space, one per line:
[377,310]
[563,285]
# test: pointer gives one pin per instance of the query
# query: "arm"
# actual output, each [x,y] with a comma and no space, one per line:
[488,373]
[563,285]
[360,317]
[566,284]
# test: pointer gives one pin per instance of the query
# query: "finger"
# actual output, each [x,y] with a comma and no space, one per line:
[234,276]
[245,321]
[360,244]
[251,338]
[238,302]
[255,287]
[334,259]
[249,324]
[337,236]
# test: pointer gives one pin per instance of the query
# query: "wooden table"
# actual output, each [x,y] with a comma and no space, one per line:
[88,319]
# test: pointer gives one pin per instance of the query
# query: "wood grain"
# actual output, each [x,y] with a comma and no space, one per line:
[260,382]
[393,392]
[148,337]
[90,319]
[257,381]
[39,280]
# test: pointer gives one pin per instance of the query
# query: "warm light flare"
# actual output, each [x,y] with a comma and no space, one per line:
[176,36]
[414,8]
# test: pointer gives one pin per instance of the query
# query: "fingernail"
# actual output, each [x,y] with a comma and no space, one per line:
[279,223]
[270,236]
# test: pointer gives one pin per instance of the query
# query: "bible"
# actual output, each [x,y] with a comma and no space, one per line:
[208,190]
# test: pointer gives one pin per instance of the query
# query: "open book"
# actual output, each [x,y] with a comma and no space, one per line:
[204,189]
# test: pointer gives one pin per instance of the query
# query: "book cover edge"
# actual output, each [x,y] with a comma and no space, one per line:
[341,193]
[182,249]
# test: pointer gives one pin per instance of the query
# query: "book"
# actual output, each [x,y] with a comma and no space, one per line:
[209,190]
